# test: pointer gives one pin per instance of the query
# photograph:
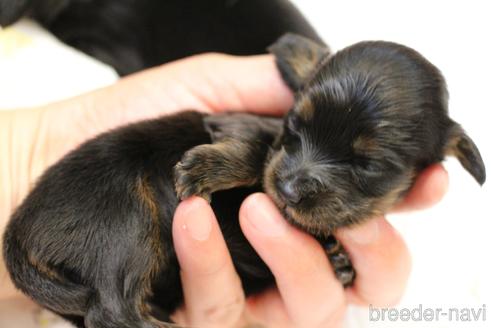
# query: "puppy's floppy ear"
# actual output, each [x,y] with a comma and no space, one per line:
[463,147]
[12,10]
[297,58]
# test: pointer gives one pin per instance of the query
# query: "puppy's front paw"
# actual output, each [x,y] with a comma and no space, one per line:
[191,174]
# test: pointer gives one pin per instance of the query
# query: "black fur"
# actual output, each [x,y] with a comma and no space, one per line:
[131,35]
[82,242]
[92,241]
[364,125]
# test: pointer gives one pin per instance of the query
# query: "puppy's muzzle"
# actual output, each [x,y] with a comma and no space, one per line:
[296,188]
[289,192]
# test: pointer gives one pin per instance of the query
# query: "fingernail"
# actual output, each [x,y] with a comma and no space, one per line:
[364,234]
[264,216]
[197,219]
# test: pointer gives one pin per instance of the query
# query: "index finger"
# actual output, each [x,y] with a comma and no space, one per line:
[212,290]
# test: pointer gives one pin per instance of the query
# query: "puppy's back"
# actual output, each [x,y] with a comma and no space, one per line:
[103,211]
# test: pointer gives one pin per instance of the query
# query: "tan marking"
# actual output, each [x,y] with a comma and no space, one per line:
[303,66]
[269,177]
[234,153]
[306,221]
[305,108]
[305,61]
[452,148]
[44,269]
[364,145]
[146,195]
[220,166]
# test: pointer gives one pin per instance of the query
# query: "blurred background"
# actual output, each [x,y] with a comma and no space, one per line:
[450,243]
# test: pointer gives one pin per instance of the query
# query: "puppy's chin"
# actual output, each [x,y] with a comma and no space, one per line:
[319,221]
[316,222]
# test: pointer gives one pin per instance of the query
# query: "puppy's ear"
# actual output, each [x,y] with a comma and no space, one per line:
[297,58]
[463,147]
[12,10]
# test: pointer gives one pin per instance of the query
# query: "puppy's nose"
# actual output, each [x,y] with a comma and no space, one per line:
[289,192]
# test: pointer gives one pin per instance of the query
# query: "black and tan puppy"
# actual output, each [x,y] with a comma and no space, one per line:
[92,241]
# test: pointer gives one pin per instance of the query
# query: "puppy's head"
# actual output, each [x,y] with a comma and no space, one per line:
[365,122]
[335,166]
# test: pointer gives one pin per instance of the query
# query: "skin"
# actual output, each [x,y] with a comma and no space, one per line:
[307,293]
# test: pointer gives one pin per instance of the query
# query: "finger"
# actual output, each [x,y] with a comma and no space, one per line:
[268,309]
[428,190]
[225,82]
[381,260]
[208,82]
[305,280]
[206,268]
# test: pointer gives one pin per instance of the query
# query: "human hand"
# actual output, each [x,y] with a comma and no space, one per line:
[307,293]
[32,139]
[210,82]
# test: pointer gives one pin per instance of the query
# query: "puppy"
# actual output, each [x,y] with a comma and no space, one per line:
[131,35]
[92,241]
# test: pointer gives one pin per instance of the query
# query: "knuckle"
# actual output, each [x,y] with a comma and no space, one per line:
[226,314]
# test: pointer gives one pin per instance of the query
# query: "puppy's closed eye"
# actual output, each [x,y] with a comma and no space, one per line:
[291,134]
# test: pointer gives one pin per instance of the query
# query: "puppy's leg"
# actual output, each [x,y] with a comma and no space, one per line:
[236,158]
[209,168]
[340,260]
